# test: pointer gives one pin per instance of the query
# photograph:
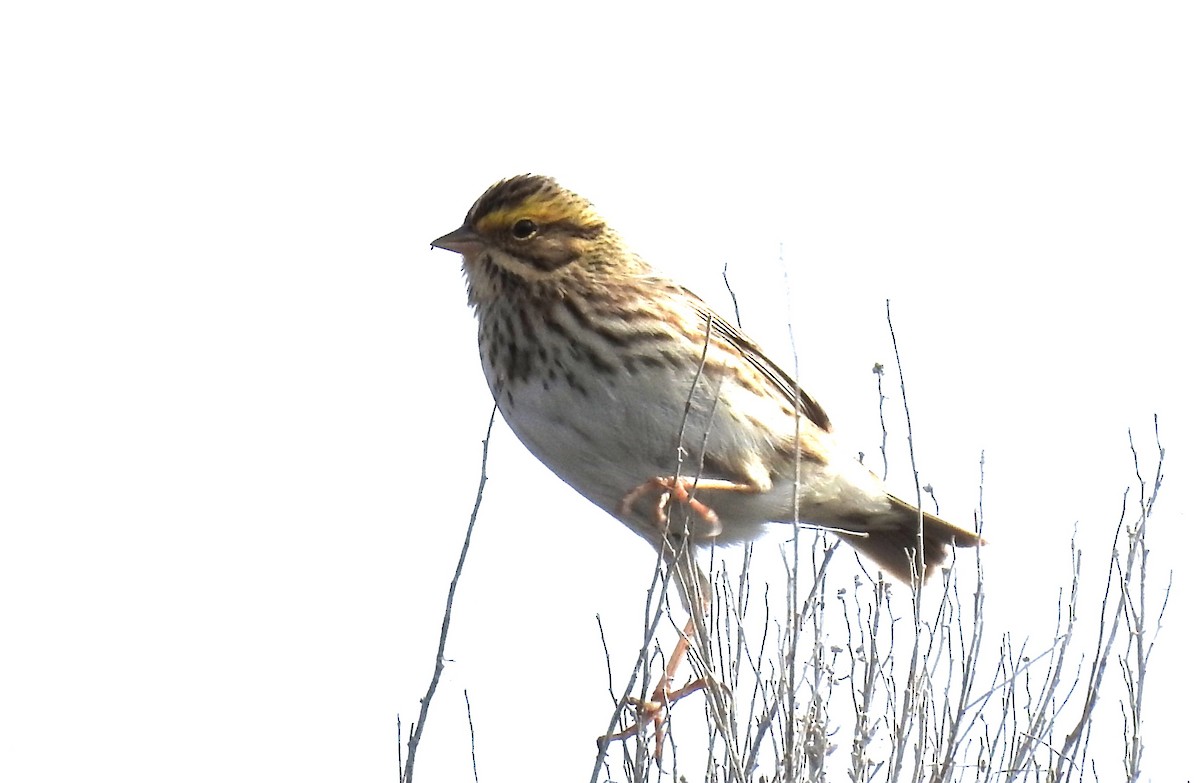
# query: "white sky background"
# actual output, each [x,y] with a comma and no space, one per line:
[241,404]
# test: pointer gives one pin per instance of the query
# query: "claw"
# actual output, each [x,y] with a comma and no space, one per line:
[680,490]
[656,709]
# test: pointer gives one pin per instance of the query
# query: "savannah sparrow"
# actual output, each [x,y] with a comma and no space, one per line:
[642,398]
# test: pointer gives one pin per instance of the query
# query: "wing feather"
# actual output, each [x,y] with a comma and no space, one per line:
[755,356]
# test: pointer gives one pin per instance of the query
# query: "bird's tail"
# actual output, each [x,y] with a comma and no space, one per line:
[893,538]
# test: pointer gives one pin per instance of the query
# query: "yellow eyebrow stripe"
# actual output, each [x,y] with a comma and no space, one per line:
[540,210]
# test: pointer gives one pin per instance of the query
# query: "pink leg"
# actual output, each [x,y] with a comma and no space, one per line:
[680,490]
[654,710]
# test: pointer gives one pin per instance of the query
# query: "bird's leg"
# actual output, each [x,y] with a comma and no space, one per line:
[693,584]
[656,709]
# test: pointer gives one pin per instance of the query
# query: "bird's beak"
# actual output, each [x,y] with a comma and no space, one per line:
[460,240]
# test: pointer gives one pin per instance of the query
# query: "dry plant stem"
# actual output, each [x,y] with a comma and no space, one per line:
[607,657]
[878,370]
[725,661]
[965,708]
[784,703]
[737,315]
[697,590]
[1071,744]
[915,675]
[655,706]
[971,648]
[694,642]
[1040,718]
[1135,677]
[656,605]
[912,458]
[1013,730]
[957,718]
[863,691]
[788,684]
[1132,619]
[471,730]
[732,646]
[739,654]
[406,769]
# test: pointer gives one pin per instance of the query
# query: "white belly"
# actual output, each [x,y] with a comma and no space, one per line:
[614,433]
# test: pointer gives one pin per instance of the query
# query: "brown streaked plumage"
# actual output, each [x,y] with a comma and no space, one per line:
[652,406]
[619,380]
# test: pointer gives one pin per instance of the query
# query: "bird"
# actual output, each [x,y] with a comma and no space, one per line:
[650,404]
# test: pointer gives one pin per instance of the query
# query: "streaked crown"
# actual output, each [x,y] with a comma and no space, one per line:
[535,198]
[531,227]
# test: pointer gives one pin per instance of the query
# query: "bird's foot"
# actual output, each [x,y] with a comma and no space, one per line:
[678,489]
[654,712]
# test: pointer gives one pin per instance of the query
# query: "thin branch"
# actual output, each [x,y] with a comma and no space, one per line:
[737,316]
[471,729]
[406,769]
[912,456]
[878,370]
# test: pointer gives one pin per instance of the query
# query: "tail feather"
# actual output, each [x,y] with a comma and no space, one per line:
[893,538]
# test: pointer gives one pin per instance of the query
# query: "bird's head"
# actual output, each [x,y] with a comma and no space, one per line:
[527,232]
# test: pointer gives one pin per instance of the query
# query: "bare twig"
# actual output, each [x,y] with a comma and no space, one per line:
[912,457]
[909,709]
[1130,607]
[878,370]
[471,729]
[414,739]
[910,693]
[737,316]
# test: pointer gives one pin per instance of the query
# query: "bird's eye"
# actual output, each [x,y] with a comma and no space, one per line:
[524,228]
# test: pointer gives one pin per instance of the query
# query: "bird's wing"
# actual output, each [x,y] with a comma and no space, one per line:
[731,334]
